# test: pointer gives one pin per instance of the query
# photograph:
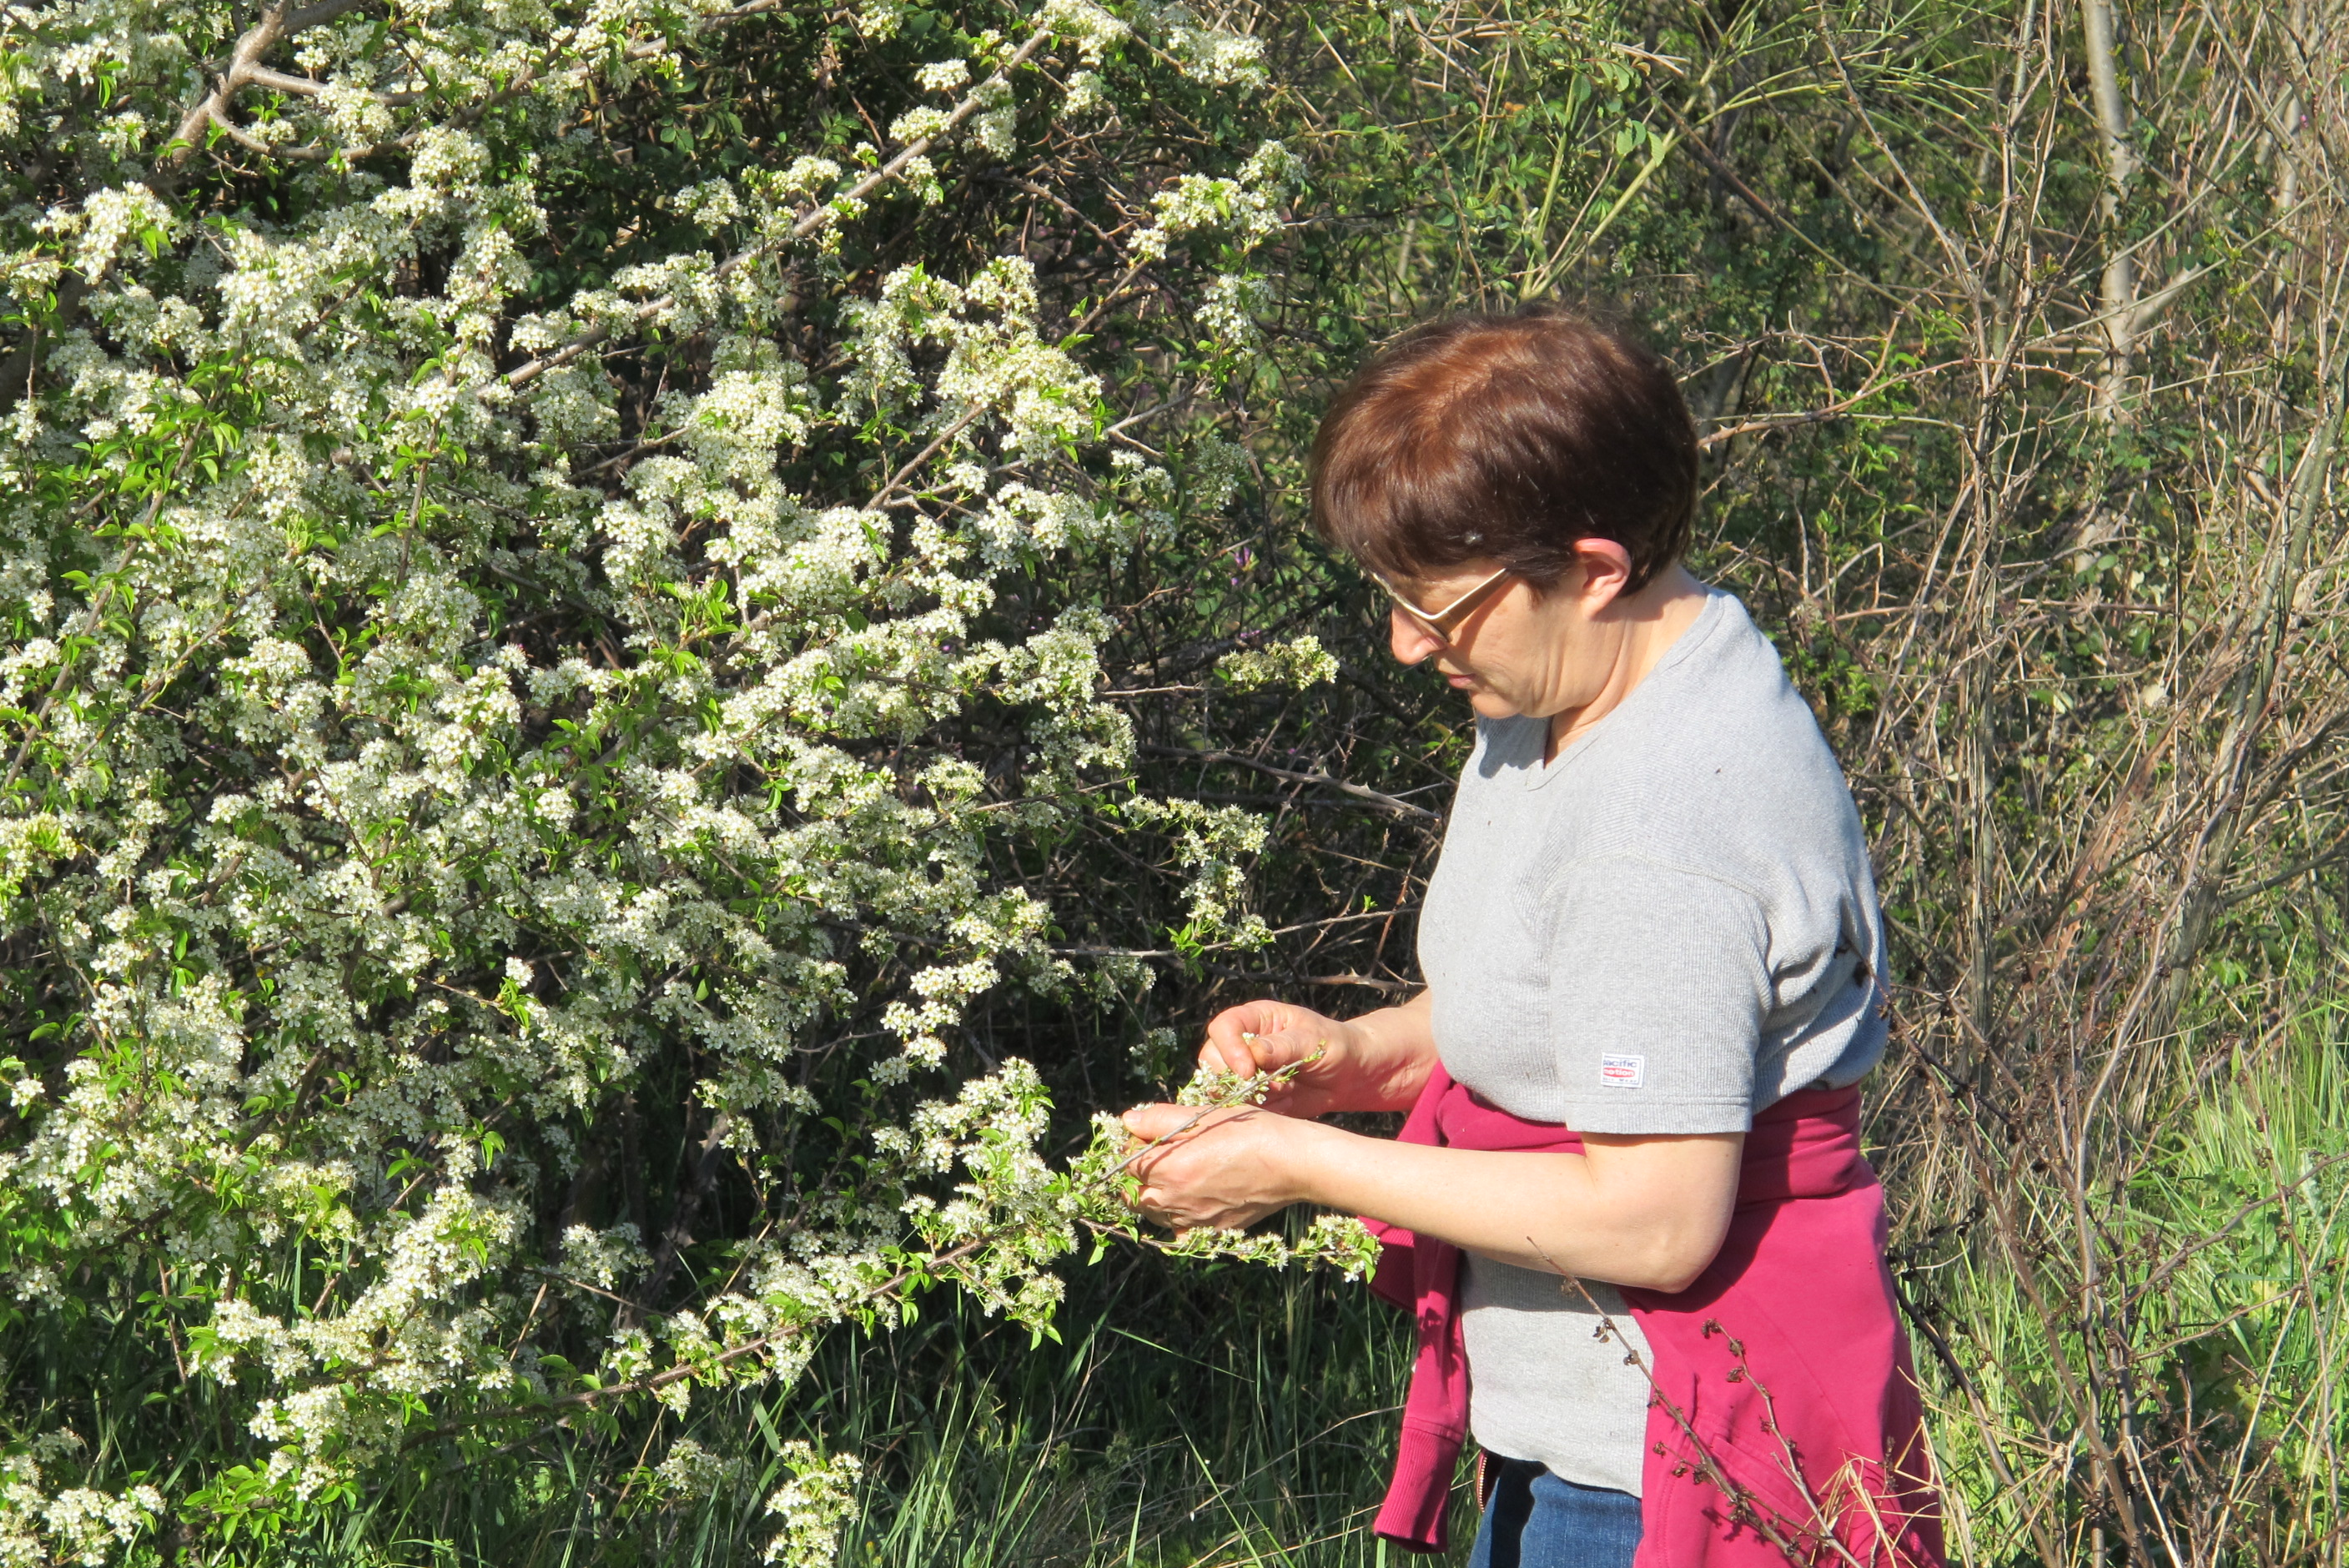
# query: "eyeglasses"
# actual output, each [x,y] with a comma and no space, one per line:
[1442,624]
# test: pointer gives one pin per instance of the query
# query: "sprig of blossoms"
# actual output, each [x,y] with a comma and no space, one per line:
[1213,1087]
[1104,1188]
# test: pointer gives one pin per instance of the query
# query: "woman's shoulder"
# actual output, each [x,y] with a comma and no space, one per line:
[1727,703]
[1725,764]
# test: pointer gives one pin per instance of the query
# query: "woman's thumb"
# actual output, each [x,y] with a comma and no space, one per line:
[1152,1122]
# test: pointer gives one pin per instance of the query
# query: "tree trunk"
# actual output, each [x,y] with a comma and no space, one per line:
[2120,163]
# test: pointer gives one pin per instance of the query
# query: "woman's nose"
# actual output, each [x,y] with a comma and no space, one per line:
[1408,640]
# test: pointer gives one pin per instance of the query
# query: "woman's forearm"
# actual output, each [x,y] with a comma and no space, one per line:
[1647,1212]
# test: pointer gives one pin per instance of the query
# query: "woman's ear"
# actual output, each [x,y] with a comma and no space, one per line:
[1605,568]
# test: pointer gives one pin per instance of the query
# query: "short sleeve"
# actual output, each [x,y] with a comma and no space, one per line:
[1658,987]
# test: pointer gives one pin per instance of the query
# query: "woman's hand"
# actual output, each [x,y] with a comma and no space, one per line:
[1376,1062]
[1217,1169]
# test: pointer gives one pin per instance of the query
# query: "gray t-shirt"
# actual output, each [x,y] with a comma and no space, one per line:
[1666,929]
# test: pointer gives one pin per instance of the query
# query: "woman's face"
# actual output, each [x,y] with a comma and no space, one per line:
[1521,653]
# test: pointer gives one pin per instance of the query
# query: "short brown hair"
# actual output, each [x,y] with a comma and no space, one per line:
[1508,439]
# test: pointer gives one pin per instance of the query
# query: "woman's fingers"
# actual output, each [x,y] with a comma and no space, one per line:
[1258,1037]
[1152,1205]
[1231,1039]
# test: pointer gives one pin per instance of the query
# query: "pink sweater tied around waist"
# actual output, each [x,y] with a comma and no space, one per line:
[1784,1404]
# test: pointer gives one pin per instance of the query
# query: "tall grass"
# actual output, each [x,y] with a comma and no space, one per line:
[2214,1327]
[1248,1425]
[1227,1417]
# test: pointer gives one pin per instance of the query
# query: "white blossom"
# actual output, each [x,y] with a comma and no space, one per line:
[813,1505]
[1297,663]
[943,76]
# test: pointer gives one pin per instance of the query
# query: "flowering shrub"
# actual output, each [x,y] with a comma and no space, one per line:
[552,565]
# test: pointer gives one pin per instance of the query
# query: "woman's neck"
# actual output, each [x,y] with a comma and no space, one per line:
[1649,622]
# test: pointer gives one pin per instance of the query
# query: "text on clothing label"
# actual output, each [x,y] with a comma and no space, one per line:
[1617,1070]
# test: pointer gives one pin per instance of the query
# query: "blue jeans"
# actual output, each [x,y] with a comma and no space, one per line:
[1537,1519]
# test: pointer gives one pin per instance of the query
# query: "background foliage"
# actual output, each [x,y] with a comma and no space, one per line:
[572,667]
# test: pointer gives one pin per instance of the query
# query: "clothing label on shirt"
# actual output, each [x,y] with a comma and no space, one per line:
[1617,1070]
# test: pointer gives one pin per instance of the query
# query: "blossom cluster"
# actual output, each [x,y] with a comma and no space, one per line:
[1237,214]
[1298,662]
[419,735]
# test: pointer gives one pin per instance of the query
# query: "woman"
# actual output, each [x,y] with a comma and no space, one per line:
[1629,1193]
